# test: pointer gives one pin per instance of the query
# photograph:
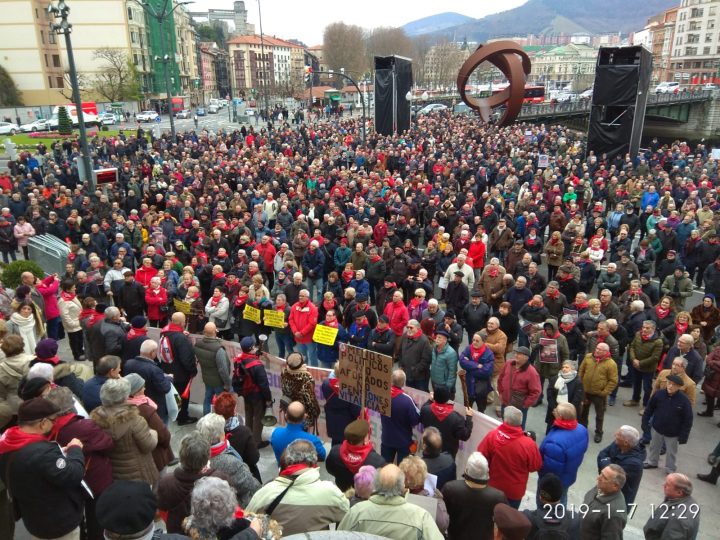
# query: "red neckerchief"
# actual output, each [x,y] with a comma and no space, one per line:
[329,304]
[530,240]
[395,392]
[214,301]
[565,424]
[599,359]
[554,240]
[441,410]
[493,272]
[554,295]
[67,297]
[15,439]
[241,299]
[353,456]
[333,324]
[600,339]
[54,360]
[136,332]
[172,327]
[348,275]
[415,302]
[60,422]
[219,448]
[582,305]
[375,258]
[648,338]
[487,212]
[567,327]
[681,328]
[219,275]
[552,336]
[477,352]
[334,384]
[292,470]
[566,278]
[662,313]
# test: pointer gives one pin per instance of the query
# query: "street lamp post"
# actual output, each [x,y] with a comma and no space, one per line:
[362,97]
[264,81]
[61,11]
[161,17]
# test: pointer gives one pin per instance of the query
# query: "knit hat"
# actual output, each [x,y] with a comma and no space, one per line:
[550,487]
[136,382]
[126,507]
[442,333]
[36,409]
[33,388]
[676,379]
[522,350]
[356,431]
[247,343]
[138,321]
[449,314]
[100,307]
[383,318]
[361,298]
[46,348]
[513,524]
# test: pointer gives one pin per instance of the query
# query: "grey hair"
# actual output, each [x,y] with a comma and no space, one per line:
[148,347]
[432,302]
[649,322]
[106,364]
[112,312]
[41,371]
[512,416]
[637,305]
[194,452]
[566,411]
[684,361]
[115,392]
[619,478]
[62,398]
[299,451]
[399,378]
[683,483]
[212,426]
[395,490]
[414,322]
[477,467]
[629,434]
[212,506]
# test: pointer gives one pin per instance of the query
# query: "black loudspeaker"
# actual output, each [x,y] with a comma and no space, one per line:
[393,80]
[620,92]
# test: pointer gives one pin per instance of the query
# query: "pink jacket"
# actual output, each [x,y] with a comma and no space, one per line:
[48,288]
[23,233]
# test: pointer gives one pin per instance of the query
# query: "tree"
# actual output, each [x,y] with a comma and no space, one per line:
[64,122]
[422,48]
[118,78]
[386,41]
[344,47]
[213,31]
[9,93]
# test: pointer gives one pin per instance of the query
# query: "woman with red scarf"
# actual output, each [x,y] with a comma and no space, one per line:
[554,251]
[156,299]
[663,315]
[671,333]
[417,305]
[217,310]
[70,310]
[478,362]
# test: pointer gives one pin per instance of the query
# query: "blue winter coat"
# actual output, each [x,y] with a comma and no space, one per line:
[362,287]
[397,428]
[562,451]
[477,371]
[314,261]
[359,336]
[631,462]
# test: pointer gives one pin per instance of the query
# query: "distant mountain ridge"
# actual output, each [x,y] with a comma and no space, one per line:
[548,17]
[428,25]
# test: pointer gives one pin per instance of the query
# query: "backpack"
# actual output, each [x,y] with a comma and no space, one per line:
[165,354]
[242,381]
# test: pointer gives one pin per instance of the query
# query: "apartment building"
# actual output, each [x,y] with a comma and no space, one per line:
[696,46]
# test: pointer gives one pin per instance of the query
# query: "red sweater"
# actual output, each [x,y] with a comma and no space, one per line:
[398,315]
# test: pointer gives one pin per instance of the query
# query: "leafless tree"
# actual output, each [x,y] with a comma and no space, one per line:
[344,47]
[118,78]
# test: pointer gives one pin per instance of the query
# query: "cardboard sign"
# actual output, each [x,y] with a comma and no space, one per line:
[274,318]
[543,161]
[325,335]
[251,314]
[181,306]
[548,351]
[377,378]
[573,314]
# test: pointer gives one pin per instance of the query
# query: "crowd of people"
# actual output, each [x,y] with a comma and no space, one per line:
[445,247]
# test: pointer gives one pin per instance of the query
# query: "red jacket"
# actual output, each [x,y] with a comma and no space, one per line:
[48,288]
[512,456]
[154,299]
[398,315]
[476,252]
[144,275]
[267,253]
[525,381]
[303,319]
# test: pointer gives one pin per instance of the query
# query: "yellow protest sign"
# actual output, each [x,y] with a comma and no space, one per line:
[181,306]
[251,314]
[325,335]
[274,318]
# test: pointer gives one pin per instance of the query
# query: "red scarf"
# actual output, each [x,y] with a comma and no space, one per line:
[219,275]
[172,327]
[354,456]
[375,258]
[567,327]
[530,241]
[333,324]
[15,439]
[67,297]
[334,385]
[329,304]
[292,470]
[662,313]
[59,424]
[219,448]
[582,305]
[441,410]
[54,360]
[493,272]
[477,352]
[554,240]
[552,336]
[681,328]
[648,338]
[395,392]
[136,332]
[554,295]
[565,424]
[241,299]
[214,301]
[599,359]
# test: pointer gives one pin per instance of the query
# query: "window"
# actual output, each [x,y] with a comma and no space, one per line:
[130,14]
[693,38]
[37,13]
[47,64]
[711,11]
[678,40]
[133,37]
[59,81]
[696,12]
[708,38]
[42,37]
[694,25]
[711,24]
[706,50]
[51,38]
[56,60]
[690,51]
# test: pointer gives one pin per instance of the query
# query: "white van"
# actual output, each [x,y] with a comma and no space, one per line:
[667,88]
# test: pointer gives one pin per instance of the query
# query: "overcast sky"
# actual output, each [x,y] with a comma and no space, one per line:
[306,20]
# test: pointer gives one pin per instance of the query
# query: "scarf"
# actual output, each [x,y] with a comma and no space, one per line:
[530,240]
[561,385]
[662,313]
[354,455]
[67,297]
[395,392]
[477,352]
[648,338]
[26,328]
[493,272]
[142,400]
[333,324]
[566,327]
[554,240]
[441,410]
[59,424]
[681,328]
[582,305]
[554,295]
[334,385]
[565,424]
[601,357]
[214,301]
[15,439]
[218,448]
[172,328]
[552,336]
[293,470]
[136,332]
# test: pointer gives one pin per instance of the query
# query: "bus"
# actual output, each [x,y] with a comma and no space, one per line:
[533,94]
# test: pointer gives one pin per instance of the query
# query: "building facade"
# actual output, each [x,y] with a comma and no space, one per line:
[696,44]
[568,66]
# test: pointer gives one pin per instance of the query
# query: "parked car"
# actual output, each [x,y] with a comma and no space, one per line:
[200,111]
[213,109]
[250,112]
[587,94]
[433,107]
[147,116]
[8,128]
[671,87]
[185,113]
[37,125]
[462,108]
[566,97]
[710,86]
[107,119]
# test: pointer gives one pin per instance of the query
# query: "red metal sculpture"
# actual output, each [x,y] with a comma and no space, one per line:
[514,63]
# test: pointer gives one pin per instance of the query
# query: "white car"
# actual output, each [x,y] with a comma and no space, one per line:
[566,97]
[250,112]
[107,119]
[8,128]
[37,125]
[185,114]
[147,116]
[667,87]
[433,107]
